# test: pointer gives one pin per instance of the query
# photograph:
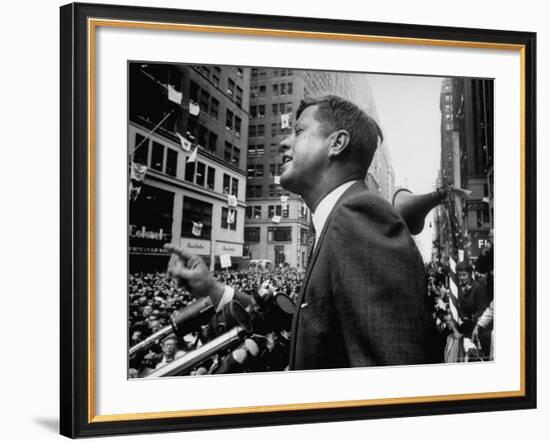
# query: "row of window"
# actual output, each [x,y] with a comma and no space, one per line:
[165,160]
[208,104]
[261,73]
[256,212]
[274,234]
[233,122]
[256,151]
[197,211]
[276,129]
[258,111]
[282,89]
[232,154]
[257,170]
[256,191]
[214,75]
[205,138]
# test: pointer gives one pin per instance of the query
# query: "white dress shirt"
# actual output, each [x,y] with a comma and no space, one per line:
[325,207]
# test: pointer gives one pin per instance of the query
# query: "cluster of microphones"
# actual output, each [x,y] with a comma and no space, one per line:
[251,338]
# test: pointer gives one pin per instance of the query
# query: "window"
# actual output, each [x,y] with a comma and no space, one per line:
[274,170]
[274,191]
[237,126]
[205,100]
[261,90]
[210,178]
[216,79]
[275,89]
[229,120]
[214,107]
[192,128]
[279,234]
[226,184]
[289,88]
[203,136]
[227,152]
[157,156]
[286,211]
[141,154]
[259,151]
[239,97]
[195,210]
[190,171]
[240,71]
[236,156]
[230,185]
[224,220]
[303,236]
[252,131]
[230,86]
[261,130]
[193,91]
[254,191]
[171,162]
[200,176]
[274,210]
[212,142]
[255,170]
[252,234]
[254,212]
[235,187]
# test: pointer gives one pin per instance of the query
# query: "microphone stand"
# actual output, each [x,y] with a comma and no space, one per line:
[190,360]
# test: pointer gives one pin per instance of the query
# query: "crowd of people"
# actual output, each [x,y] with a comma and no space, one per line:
[467,335]
[154,297]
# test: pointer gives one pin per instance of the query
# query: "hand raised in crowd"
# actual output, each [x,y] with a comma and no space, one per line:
[191,271]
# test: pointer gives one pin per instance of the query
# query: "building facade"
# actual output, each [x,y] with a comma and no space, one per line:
[467,150]
[189,126]
[277,224]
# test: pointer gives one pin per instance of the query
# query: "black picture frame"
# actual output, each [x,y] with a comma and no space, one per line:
[77,418]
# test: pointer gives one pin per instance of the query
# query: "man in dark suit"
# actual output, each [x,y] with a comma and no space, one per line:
[363,300]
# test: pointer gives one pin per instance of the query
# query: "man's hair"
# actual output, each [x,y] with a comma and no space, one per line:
[336,113]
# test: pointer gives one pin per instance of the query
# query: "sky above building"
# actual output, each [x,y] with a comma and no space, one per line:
[409,114]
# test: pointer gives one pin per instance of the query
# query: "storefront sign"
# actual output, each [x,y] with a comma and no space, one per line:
[196,246]
[231,249]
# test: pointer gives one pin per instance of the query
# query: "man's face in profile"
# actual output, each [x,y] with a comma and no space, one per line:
[304,153]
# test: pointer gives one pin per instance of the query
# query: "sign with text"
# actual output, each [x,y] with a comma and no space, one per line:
[225,261]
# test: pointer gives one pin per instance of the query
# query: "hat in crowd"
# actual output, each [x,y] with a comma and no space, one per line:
[169,337]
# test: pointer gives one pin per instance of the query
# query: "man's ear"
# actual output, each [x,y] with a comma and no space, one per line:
[338,142]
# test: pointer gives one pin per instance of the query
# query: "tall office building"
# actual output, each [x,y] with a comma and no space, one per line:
[467,162]
[277,222]
[189,126]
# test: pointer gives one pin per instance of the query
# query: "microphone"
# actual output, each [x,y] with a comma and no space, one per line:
[236,360]
[186,320]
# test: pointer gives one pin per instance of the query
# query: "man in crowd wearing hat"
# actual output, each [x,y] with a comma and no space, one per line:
[169,350]
[363,299]
[472,298]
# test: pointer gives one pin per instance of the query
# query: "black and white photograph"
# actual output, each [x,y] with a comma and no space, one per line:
[282,219]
